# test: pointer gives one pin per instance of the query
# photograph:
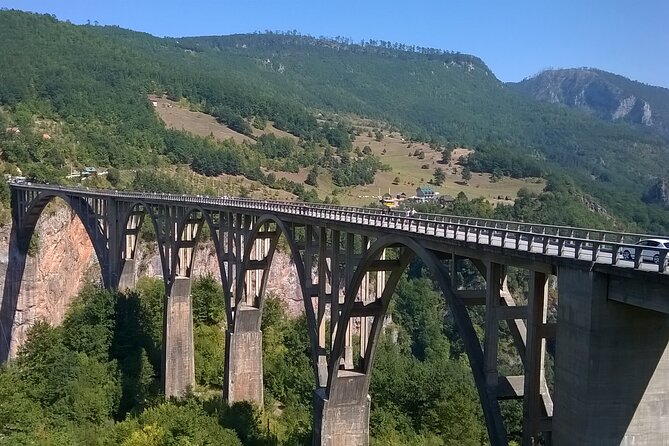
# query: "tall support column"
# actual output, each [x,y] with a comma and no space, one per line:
[349,269]
[324,299]
[535,351]
[177,242]
[611,362]
[243,355]
[179,353]
[341,410]
[244,381]
[494,277]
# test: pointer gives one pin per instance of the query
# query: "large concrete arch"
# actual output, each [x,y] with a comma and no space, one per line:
[342,382]
[20,236]
[84,212]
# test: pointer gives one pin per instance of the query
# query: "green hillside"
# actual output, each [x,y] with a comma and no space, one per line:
[89,85]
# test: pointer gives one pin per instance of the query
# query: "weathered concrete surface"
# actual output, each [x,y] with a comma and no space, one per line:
[611,367]
[340,423]
[128,278]
[645,292]
[179,359]
[244,380]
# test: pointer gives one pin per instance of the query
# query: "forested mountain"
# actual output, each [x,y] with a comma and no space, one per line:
[605,95]
[91,82]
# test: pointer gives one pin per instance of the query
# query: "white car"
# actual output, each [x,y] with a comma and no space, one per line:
[647,255]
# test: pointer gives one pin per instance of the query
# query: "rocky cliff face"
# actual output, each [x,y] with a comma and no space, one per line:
[54,274]
[65,260]
[658,193]
[604,95]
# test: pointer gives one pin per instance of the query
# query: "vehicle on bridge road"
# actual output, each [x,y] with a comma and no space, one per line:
[647,255]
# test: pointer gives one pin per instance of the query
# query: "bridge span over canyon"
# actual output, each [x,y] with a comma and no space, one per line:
[611,362]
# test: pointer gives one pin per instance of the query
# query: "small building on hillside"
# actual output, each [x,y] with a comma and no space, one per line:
[425,193]
[388,200]
[446,199]
[89,171]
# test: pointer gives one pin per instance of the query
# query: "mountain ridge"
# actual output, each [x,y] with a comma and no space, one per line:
[608,96]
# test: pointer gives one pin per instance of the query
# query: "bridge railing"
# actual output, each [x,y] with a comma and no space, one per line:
[593,245]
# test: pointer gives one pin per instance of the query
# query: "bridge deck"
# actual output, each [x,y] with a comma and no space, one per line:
[543,246]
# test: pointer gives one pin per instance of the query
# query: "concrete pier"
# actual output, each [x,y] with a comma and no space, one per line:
[127,278]
[244,381]
[611,368]
[178,349]
[343,418]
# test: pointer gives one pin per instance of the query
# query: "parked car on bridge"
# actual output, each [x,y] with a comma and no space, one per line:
[647,255]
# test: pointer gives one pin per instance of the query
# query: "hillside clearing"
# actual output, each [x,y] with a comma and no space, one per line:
[176,116]
[406,161]
[411,174]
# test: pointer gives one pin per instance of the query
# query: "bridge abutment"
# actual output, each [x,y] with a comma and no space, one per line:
[611,368]
[343,418]
[178,348]
[244,380]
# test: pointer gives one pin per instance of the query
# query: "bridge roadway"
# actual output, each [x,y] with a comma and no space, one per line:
[611,364]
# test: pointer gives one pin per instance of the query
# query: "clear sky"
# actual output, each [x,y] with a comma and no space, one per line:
[516,38]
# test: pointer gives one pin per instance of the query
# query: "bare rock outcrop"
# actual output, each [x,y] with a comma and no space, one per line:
[53,276]
[607,96]
[658,193]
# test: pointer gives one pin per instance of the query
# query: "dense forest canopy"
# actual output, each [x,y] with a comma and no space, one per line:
[90,84]
[95,379]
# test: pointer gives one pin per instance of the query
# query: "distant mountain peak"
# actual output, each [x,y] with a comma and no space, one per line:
[607,96]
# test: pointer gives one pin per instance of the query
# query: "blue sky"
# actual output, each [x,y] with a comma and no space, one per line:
[516,38]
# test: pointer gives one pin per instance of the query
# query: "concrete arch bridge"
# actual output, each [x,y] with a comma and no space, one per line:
[611,360]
